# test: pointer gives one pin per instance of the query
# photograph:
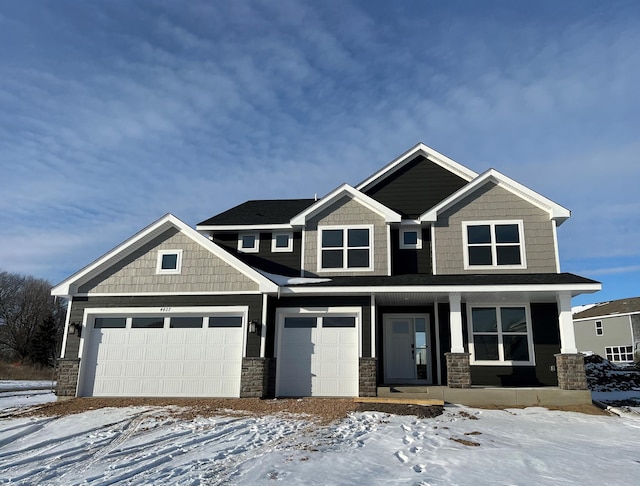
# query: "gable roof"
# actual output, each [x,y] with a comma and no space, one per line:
[556,212]
[389,215]
[408,156]
[615,307]
[69,286]
[261,213]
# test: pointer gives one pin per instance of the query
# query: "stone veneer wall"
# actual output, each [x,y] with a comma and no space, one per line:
[67,377]
[458,370]
[258,378]
[368,368]
[571,372]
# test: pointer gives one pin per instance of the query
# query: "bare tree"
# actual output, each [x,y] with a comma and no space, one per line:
[28,318]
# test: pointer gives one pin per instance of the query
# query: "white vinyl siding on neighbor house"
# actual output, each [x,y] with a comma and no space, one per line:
[491,244]
[195,352]
[500,334]
[347,248]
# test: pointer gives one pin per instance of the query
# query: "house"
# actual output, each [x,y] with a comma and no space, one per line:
[425,273]
[610,329]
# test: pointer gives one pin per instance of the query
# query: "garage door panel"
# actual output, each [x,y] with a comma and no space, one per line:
[164,362]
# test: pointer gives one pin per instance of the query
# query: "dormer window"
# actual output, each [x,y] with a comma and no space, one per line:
[348,248]
[410,238]
[169,262]
[282,242]
[493,244]
[249,242]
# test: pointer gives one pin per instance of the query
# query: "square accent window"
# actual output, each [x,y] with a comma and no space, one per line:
[501,335]
[249,242]
[169,261]
[599,328]
[619,354]
[410,238]
[493,244]
[281,242]
[348,248]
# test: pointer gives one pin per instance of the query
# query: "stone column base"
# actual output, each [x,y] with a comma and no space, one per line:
[571,372]
[67,376]
[458,370]
[368,372]
[258,378]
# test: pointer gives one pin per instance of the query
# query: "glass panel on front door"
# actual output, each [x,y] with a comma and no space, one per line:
[407,351]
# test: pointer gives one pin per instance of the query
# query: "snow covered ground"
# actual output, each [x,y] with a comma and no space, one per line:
[147,445]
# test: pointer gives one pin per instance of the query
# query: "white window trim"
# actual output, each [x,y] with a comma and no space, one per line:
[492,224]
[609,351]
[288,248]
[599,327]
[256,246]
[172,271]
[345,248]
[501,361]
[411,229]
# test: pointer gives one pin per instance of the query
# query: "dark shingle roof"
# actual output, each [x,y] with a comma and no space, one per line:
[424,279]
[622,306]
[259,212]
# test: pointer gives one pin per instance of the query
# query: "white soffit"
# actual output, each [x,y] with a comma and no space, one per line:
[419,149]
[68,287]
[389,215]
[556,212]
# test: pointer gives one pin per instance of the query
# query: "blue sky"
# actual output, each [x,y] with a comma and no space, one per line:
[113,113]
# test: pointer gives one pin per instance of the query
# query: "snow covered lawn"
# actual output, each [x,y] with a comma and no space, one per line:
[152,445]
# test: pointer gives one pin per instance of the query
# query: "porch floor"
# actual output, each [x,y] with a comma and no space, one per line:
[483,396]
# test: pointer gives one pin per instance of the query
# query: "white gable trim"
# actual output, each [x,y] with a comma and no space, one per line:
[419,149]
[69,286]
[389,215]
[556,212]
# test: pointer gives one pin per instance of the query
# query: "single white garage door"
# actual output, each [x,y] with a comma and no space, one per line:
[165,356]
[318,356]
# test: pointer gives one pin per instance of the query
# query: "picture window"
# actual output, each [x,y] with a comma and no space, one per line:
[345,248]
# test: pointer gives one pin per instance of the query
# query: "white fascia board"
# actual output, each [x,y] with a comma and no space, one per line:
[243,227]
[68,287]
[575,289]
[418,149]
[606,316]
[389,215]
[556,212]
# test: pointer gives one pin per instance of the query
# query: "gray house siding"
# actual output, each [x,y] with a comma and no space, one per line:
[408,261]
[280,263]
[201,271]
[616,331]
[546,338]
[488,203]
[416,187]
[79,304]
[346,211]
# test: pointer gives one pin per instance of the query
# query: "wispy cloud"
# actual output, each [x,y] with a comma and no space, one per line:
[116,113]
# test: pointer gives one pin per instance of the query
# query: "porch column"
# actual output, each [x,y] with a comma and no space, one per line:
[565,318]
[455,322]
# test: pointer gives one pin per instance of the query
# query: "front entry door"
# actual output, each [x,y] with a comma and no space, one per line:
[407,351]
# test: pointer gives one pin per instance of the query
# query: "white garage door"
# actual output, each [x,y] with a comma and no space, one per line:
[318,356]
[165,356]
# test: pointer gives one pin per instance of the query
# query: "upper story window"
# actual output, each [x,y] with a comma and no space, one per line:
[599,328]
[410,238]
[348,248]
[492,244]
[501,335]
[169,261]
[249,242]
[282,242]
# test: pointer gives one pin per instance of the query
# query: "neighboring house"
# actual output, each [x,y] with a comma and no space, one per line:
[424,273]
[610,329]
